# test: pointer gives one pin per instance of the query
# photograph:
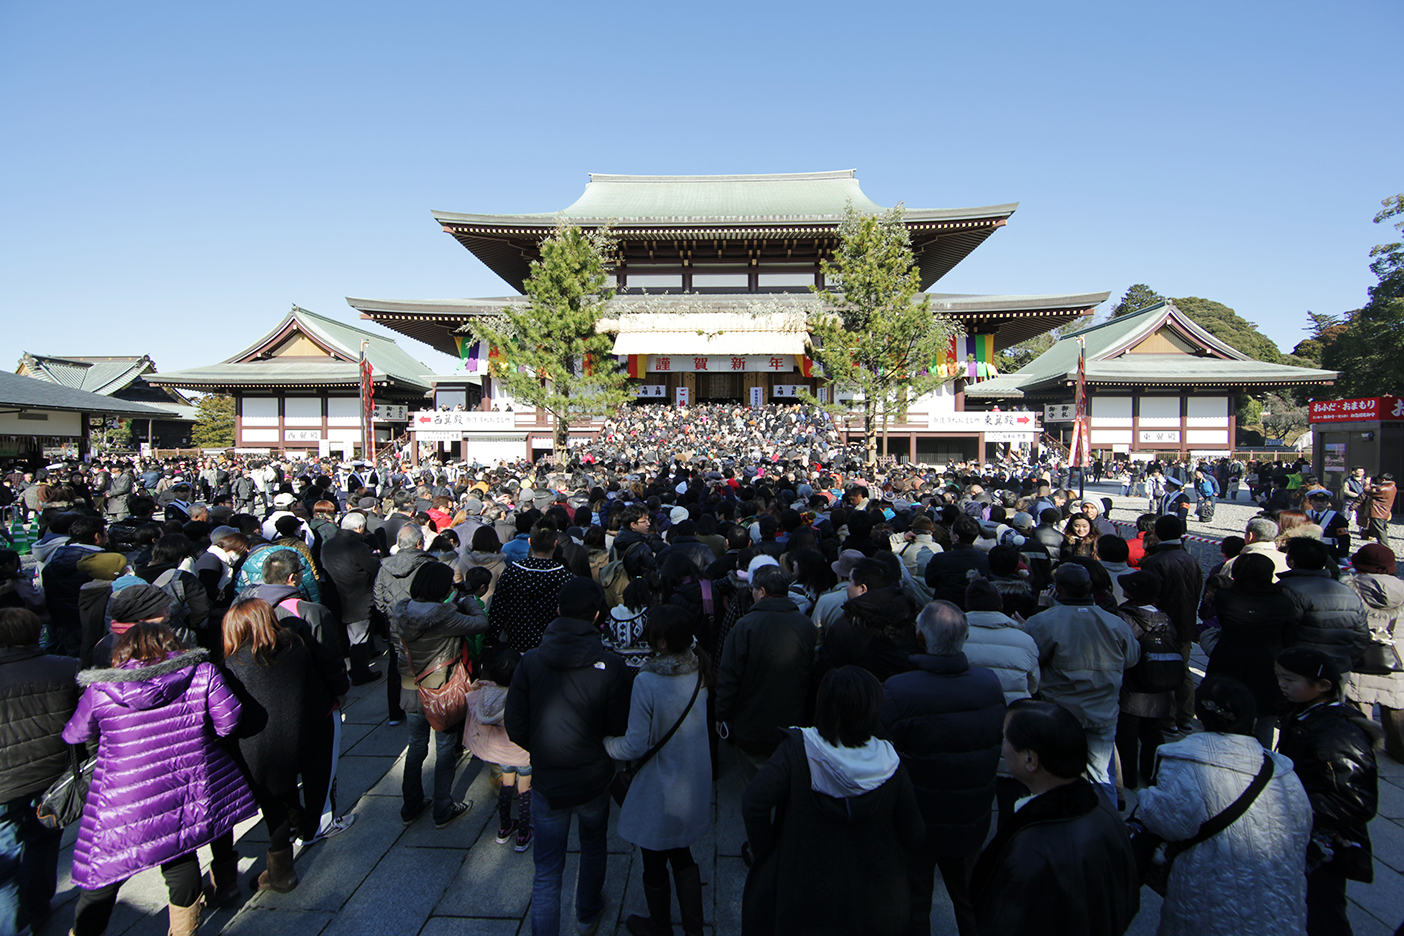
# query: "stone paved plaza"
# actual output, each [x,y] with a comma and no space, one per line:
[380,878]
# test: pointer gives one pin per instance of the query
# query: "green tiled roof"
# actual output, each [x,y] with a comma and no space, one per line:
[93,374]
[33,393]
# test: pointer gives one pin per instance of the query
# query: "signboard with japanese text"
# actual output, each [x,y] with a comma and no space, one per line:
[1171,436]
[682,396]
[822,395]
[789,391]
[1365,409]
[652,391]
[463,420]
[302,435]
[391,412]
[438,435]
[995,435]
[1059,412]
[1021,422]
[757,396]
[720,363]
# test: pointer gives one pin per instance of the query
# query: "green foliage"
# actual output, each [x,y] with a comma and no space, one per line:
[1282,417]
[877,335]
[214,421]
[1249,411]
[1138,297]
[1227,326]
[1323,330]
[555,359]
[1366,347]
[1017,356]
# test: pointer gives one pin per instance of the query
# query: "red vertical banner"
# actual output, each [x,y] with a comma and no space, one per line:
[367,407]
[1079,452]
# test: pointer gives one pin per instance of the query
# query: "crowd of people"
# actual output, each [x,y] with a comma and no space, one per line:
[964,671]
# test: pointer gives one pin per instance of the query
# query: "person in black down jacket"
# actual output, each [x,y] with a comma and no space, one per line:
[1332,746]
[1063,864]
[764,676]
[878,627]
[832,819]
[353,566]
[1253,617]
[566,697]
[1331,616]
[1182,581]
[946,720]
[949,572]
[38,694]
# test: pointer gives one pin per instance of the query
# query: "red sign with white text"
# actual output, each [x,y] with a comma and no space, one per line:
[1361,410]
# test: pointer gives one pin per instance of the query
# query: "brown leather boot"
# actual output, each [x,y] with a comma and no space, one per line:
[280,876]
[186,920]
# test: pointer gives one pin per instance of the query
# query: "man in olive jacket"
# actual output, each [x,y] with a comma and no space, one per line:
[38,694]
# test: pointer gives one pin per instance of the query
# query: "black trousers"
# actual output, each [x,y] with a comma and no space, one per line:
[316,768]
[921,879]
[656,863]
[1137,740]
[1326,902]
[182,875]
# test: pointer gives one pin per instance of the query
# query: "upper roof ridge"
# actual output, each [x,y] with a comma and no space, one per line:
[757,177]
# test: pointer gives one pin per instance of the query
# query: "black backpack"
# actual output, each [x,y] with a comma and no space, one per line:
[1161,667]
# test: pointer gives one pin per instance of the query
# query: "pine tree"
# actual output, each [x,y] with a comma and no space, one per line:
[877,335]
[552,356]
[214,421]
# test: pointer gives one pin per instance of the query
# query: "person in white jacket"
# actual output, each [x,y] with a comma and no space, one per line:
[1250,878]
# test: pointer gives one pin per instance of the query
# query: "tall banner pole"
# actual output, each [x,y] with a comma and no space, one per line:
[1082,437]
[367,407]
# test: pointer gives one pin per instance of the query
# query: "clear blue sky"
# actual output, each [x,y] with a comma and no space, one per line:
[176,175]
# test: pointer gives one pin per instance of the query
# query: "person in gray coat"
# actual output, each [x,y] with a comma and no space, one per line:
[392,585]
[669,803]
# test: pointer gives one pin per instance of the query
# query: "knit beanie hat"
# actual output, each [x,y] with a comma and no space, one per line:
[980,595]
[136,604]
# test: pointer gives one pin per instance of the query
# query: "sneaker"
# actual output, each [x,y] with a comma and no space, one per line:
[1185,727]
[458,811]
[524,837]
[408,816]
[335,827]
[395,721]
[504,832]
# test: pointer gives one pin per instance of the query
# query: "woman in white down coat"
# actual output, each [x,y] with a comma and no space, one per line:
[669,803]
[1250,878]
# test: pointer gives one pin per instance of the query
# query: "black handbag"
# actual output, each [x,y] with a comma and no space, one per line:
[1380,659]
[62,803]
[1155,856]
[624,778]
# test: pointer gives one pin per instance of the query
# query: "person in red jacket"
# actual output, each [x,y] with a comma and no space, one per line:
[1136,546]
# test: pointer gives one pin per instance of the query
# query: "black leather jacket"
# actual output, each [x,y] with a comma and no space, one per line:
[38,694]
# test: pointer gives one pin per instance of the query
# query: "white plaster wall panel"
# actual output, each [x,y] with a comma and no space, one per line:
[1206,436]
[1207,411]
[1111,436]
[343,411]
[348,435]
[1159,411]
[1111,411]
[59,423]
[302,411]
[259,411]
[260,435]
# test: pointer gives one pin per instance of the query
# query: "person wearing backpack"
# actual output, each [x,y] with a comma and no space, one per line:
[1148,688]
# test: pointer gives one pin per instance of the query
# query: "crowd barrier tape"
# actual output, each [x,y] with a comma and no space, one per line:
[1204,548]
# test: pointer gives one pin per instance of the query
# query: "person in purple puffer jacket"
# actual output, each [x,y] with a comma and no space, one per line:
[156,716]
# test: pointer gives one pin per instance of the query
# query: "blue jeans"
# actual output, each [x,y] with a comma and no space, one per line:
[552,831]
[28,865]
[445,764]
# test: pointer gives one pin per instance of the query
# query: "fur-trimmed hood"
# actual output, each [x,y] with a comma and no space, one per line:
[674,664]
[145,687]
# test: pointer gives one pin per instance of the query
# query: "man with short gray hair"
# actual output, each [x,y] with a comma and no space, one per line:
[392,585]
[1260,535]
[946,720]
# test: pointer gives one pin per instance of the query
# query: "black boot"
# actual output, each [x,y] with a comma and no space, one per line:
[689,881]
[659,896]
[361,673]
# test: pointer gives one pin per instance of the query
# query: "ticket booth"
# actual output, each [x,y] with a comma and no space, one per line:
[1367,432]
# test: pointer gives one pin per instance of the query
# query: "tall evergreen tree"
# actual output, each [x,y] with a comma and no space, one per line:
[877,335]
[214,421]
[551,354]
[1138,297]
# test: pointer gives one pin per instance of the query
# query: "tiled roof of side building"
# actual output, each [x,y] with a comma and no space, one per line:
[33,393]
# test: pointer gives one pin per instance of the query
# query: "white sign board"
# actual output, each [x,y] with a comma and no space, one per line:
[1059,412]
[463,420]
[823,395]
[984,422]
[438,435]
[682,396]
[1161,435]
[302,435]
[391,412]
[721,363]
[757,396]
[789,391]
[998,436]
[324,448]
[652,391]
